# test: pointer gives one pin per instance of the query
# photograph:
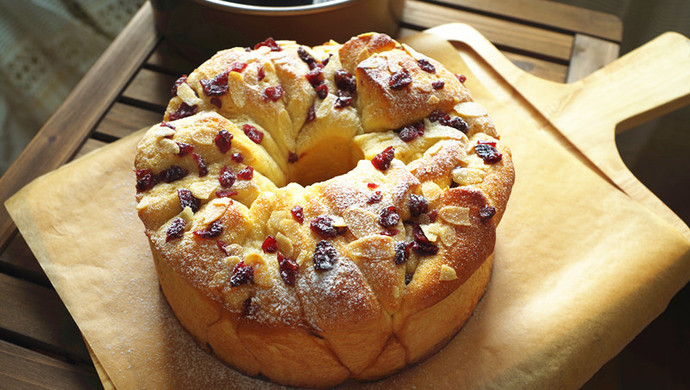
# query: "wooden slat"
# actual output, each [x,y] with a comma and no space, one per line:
[21,368]
[89,146]
[124,119]
[514,35]
[165,59]
[18,259]
[589,55]
[80,112]
[39,316]
[550,13]
[151,87]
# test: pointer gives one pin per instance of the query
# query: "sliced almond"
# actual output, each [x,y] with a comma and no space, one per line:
[433,99]
[447,274]
[468,176]
[203,189]
[361,222]
[168,146]
[284,244]
[429,232]
[163,132]
[431,190]
[373,248]
[187,214]
[455,215]
[187,94]
[470,109]
[213,210]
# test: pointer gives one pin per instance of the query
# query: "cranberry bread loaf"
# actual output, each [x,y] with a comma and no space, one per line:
[322,213]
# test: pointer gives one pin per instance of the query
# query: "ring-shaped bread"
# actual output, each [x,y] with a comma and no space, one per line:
[382,252]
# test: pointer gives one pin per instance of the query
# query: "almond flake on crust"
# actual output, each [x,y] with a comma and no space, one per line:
[470,109]
[447,274]
[456,215]
[213,210]
[373,247]
[361,222]
[187,94]
[203,189]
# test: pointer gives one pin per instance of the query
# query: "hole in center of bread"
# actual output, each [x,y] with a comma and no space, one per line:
[329,157]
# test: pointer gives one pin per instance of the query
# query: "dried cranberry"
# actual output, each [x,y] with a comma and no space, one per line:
[345,80]
[288,269]
[343,100]
[226,177]
[273,93]
[216,102]
[390,232]
[201,164]
[315,77]
[426,65]
[188,200]
[382,161]
[168,125]
[173,173]
[437,115]
[372,185]
[292,157]
[324,256]
[375,197]
[488,153]
[176,229]
[237,66]
[311,114]
[306,57]
[418,205]
[217,86]
[439,84]
[185,149]
[456,123]
[321,91]
[298,214]
[400,79]
[178,82]
[410,132]
[241,274]
[408,278]
[225,194]
[422,245]
[270,245]
[270,43]
[223,141]
[323,226]
[145,180]
[183,110]
[487,212]
[389,217]
[253,133]
[402,252]
[223,246]
[260,73]
[237,157]
[461,78]
[215,229]
[433,214]
[326,60]
[246,174]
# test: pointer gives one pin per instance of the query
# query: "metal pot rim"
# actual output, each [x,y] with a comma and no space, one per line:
[223,5]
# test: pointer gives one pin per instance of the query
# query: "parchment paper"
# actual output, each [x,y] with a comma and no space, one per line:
[580,269]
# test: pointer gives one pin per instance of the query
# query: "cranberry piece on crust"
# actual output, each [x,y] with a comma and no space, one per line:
[382,161]
[241,274]
[253,133]
[488,152]
[217,86]
[201,164]
[426,65]
[270,245]
[323,226]
[324,256]
[175,230]
[270,43]
[223,141]
[185,149]
[298,214]
[145,179]
[288,269]
[227,177]
[439,84]
[402,252]
[183,110]
[273,93]
[487,212]
[400,79]
[389,217]
[422,245]
[215,229]
[246,174]
[178,82]
[418,205]
[173,173]
[188,200]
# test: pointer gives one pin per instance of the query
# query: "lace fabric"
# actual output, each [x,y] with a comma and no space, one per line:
[47,46]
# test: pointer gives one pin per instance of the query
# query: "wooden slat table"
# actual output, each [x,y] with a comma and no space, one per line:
[127,89]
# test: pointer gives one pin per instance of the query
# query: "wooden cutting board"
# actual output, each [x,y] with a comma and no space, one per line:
[644,84]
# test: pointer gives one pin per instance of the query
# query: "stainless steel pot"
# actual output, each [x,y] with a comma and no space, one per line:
[199,28]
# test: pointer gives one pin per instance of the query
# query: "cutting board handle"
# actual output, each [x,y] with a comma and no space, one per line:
[643,84]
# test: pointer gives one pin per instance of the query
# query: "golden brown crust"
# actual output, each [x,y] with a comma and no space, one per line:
[353,276]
